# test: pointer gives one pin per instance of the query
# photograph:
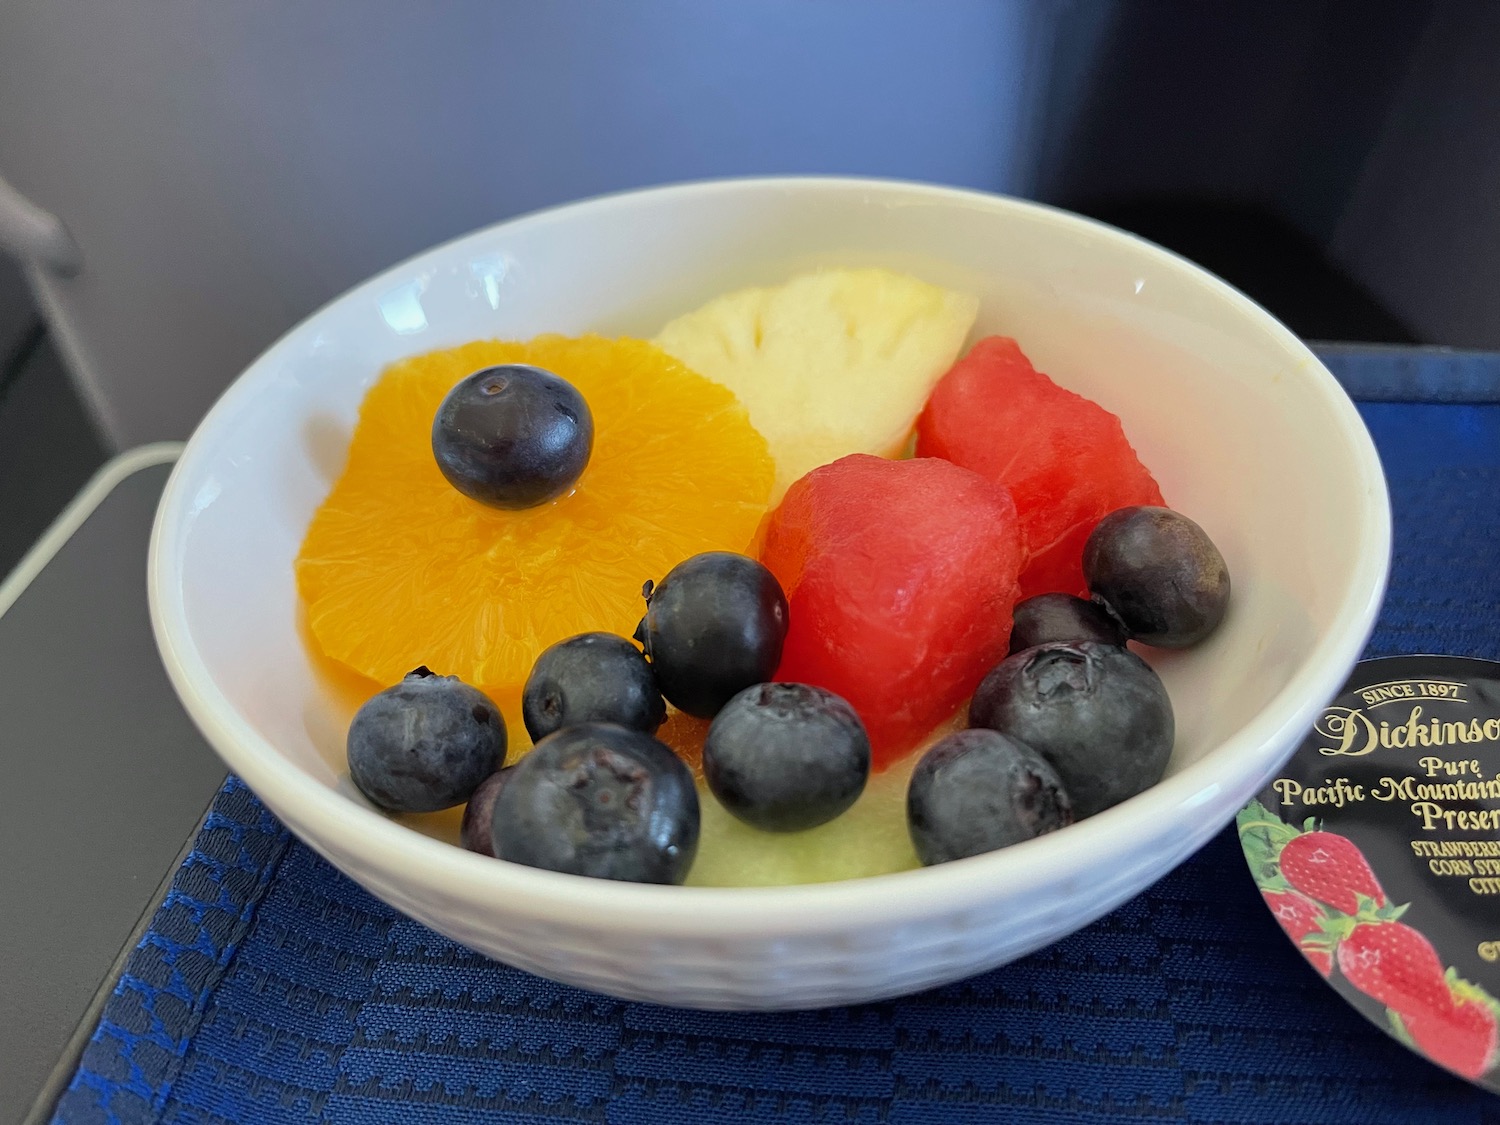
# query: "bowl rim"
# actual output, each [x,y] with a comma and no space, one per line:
[1233,767]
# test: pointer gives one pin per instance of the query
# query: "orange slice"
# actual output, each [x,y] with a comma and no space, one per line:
[399,569]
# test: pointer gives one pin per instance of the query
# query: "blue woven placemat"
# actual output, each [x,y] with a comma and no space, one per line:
[271,989]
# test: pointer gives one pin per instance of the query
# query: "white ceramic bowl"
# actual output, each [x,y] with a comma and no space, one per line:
[1242,426]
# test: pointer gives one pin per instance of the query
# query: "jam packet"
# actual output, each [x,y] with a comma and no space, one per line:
[1377,848]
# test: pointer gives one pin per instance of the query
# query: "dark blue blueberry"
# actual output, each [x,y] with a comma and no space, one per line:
[425,744]
[785,757]
[591,678]
[713,627]
[476,831]
[1062,617]
[513,436]
[978,790]
[600,800]
[1097,713]
[1159,574]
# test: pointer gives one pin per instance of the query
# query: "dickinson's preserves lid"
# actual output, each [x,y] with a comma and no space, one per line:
[1377,848]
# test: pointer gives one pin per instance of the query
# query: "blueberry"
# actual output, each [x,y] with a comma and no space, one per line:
[978,790]
[425,744]
[1062,617]
[513,436]
[477,830]
[1159,574]
[600,800]
[591,678]
[785,757]
[1096,712]
[713,627]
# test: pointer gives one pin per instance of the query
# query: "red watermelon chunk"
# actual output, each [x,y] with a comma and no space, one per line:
[901,578]
[1064,458]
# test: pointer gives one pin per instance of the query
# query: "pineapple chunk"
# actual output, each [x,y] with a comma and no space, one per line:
[829,363]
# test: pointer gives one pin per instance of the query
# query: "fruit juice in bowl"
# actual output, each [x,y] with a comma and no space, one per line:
[899,577]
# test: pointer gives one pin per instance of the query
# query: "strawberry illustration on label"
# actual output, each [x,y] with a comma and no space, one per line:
[1377,850]
[1329,868]
[1298,914]
[1305,922]
[1461,1038]
[1319,958]
[1394,964]
[1323,893]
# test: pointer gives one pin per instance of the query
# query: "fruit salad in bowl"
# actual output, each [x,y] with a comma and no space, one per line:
[885,582]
